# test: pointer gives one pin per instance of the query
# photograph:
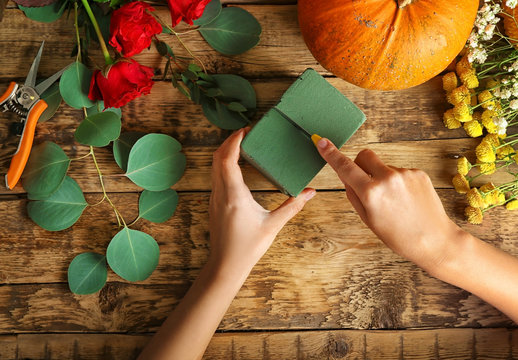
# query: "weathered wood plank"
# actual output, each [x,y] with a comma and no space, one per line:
[281,51]
[395,131]
[321,272]
[339,344]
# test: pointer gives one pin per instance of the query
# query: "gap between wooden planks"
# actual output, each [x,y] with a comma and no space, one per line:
[341,344]
[325,270]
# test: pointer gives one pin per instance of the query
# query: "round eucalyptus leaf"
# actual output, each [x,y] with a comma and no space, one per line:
[157,206]
[53,99]
[87,273]
[47,13]
[99,107]
[45,170]
[212,11]
[122,147]
[132,254]
[61,209]
[155,162]
[99,129]
[233,88]
[75,84]
[233,32]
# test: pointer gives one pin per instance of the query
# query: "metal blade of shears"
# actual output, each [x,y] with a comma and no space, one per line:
[304,131]
[45,84]
[30,81]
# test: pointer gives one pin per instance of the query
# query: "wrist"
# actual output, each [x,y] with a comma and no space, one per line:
[227,271]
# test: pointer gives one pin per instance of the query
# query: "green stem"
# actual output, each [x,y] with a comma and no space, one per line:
[78,39]
[117,213]
[104,49]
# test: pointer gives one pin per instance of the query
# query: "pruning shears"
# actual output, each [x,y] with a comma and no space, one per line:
[26,102]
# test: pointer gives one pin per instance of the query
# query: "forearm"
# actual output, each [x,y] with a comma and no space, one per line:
[188,330]
[483,270]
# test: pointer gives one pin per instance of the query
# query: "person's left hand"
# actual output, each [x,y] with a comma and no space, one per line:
[241,230]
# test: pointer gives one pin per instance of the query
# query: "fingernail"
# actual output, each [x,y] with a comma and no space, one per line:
[315,138]
[322,143]
[310,194]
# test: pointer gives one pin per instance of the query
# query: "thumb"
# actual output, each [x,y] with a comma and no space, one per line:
[291,207]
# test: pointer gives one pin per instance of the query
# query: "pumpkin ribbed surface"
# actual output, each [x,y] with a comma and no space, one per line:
[383,45]
[510,26]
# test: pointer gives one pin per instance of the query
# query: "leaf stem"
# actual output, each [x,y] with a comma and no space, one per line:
[117,213]
[134,221]
[78,39]
[107,58]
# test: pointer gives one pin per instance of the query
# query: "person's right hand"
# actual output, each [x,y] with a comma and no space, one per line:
[399,205]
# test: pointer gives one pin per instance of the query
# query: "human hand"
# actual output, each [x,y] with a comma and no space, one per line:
[399,205]
[241,230]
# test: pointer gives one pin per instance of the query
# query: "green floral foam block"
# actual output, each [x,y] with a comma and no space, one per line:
[281,151]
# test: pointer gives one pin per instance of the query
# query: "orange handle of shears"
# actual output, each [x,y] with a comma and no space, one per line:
[24,149]
[8,92]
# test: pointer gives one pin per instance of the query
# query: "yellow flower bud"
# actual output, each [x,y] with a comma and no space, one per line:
[474,215]
[485,99]
[449,120]
[459,95]
[449,81]
[463,65]
[473,128]
[485,152]
[463,166]
[477,115]
[512,205]
[492,139]
[487,121]
[469,78]
[460,183]
[474,198]
[487,168]
[461,111]
[501,198]
[492,83]
[487,187]
[505,152]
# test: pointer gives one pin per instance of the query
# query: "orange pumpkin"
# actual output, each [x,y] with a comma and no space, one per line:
[386,44]
[510,26]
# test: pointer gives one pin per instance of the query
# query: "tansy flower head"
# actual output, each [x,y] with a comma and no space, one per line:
[489,125]
[449,81]
[505,151]
[460,183]
[463,65]
[516,158]
[474,98]
[491,83]
[449,120]
[485,99]
[459,95]
[485,152]
[492,139]
[491,198]
[461,110]
[474,215]
[487,187]
[487,168]
[512,205]
[469,78]
[477,115]
[473,128]
[463,166]
[501,198]
[474,198]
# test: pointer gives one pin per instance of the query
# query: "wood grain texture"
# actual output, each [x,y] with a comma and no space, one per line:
[325,270]
[404,128]
[319,345]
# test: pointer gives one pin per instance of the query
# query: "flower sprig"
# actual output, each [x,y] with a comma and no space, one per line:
[483,90]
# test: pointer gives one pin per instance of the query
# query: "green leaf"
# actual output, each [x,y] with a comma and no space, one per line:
[132,254]
[233,32]
[46,14]
[164,49]
[45,170]
[157,206]
[75,84]
[190,75]
[99,107]
[155,162]
[61,209]
[194,68]
[234,89]
[213,92]
[212,11]
[87,273]
[99,129]
[122,147]
[235,106]
[53,99]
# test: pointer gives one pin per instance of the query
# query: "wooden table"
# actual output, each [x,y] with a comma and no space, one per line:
[327,288]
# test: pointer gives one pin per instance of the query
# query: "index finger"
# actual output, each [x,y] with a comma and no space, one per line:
[225,160]
[348,171]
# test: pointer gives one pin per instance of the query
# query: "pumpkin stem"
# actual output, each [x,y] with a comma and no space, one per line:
[403,3]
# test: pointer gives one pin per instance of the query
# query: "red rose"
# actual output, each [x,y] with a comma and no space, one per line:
[125,81]
[186,10]
[132,28]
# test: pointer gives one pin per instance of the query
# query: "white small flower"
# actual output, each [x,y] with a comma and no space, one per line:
[513,104]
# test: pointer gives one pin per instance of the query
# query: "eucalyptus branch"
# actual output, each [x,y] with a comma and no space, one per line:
[78,39]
